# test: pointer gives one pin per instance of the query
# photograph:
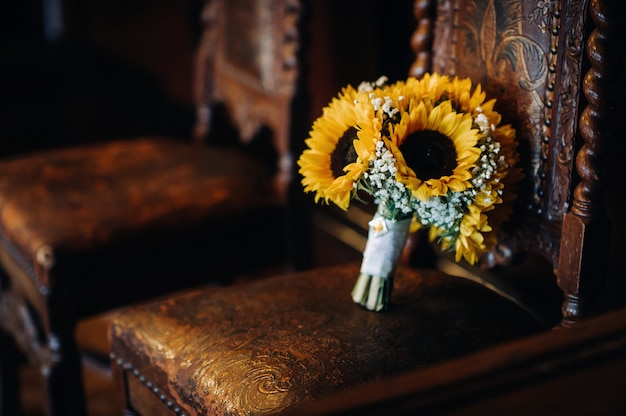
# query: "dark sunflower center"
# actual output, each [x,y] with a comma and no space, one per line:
[344,153]
[430,154]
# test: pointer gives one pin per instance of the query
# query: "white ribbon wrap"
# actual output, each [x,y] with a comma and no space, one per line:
[385,242]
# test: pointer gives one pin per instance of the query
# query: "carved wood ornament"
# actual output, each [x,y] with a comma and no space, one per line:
[530,55]
[247,63]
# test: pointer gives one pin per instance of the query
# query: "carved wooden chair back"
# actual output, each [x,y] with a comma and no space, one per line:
[549,65]
[250,66]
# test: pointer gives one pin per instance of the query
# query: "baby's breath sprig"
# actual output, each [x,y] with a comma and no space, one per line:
[393,198]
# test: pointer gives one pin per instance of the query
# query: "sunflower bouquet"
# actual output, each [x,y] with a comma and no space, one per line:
[431,152]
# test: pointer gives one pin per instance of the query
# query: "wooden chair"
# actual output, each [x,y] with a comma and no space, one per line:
[88,228]
[273,345]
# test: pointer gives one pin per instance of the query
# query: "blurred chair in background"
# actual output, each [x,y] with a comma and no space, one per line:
[85,229]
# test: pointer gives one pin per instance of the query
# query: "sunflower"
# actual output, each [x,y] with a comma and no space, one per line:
[471,240]
[473,102]
[506,182]
[333,163]
[434,88]
[435,149]
[487,205]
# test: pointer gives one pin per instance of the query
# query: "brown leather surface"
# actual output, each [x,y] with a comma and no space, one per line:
[78,199]
[272,344]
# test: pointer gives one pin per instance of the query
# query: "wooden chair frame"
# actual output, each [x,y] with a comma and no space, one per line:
[564,221]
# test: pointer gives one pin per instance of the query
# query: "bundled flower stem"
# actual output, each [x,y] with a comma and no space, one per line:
[431,152]
[385,242]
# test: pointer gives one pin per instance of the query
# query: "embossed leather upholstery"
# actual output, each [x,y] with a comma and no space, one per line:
[270,345]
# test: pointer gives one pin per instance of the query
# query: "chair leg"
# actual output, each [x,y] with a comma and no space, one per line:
[63,379]
[9,376]
[118,375]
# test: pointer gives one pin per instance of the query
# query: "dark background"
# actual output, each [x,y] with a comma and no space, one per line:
[123,68]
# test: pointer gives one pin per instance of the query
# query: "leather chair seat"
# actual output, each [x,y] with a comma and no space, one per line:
[74,215]
[268,345]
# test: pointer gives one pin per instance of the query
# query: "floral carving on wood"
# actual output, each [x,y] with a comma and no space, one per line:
[528,54]
[566,116]
[500,47]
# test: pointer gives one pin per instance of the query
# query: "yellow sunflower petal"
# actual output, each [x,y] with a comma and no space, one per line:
[346,111]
